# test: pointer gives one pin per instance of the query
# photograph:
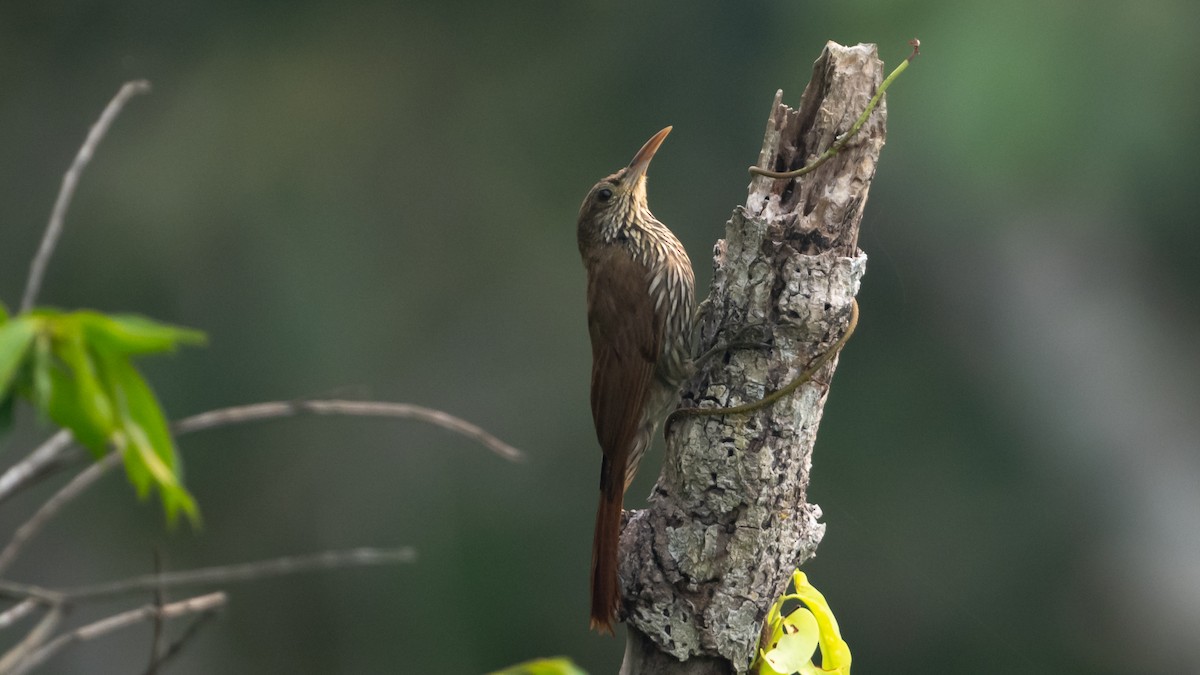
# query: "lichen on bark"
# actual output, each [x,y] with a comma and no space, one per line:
[728,519]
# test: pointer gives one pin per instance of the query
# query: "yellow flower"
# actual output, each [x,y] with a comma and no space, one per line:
[790,642]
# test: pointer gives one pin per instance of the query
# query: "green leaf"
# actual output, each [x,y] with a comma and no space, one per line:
[81,376]
[555,666]
[3,313]
[129,334]
[64,384]
[140,451]
[90,395]
[6,413]
[149,450]
[58,394]
[15,338]
[41,382]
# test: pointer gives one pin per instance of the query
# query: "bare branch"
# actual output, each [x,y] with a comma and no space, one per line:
[15,590]
[327,560]
[29,653]
[261,411]
[53,449]
[160,599]
[177,646]
[37,464]
[17,612]
[48,454]
[52,506]
[70,180]
[203,603]
[16,659]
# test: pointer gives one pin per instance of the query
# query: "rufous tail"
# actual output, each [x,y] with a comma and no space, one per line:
[606,594]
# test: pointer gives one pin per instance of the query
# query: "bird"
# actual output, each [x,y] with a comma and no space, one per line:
[640,296]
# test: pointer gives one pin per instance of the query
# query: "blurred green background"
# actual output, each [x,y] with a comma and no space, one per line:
[379,200]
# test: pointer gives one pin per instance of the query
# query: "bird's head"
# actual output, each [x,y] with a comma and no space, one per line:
[618,199]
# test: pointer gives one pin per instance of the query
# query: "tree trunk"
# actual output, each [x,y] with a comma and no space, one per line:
[728,519]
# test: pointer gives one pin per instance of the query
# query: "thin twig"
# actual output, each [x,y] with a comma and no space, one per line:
[19,657]
[23,657]
[15,590]
[177,646]
[260,411]
[70,180]
[203,603]
[17,612]
[37,463]
[53,450]
[156,640]
[359,557]
[52,506]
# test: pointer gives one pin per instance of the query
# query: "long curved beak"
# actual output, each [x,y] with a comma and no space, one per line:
[641,161]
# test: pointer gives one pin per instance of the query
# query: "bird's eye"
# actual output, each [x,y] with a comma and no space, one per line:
[604,194]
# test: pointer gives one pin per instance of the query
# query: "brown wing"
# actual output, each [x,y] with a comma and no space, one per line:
[626,341]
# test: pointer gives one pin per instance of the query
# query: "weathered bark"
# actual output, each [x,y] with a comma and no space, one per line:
[728,520]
